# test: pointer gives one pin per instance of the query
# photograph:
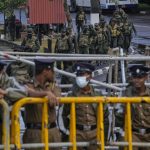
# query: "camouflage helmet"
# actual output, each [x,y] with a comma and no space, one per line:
[85,27]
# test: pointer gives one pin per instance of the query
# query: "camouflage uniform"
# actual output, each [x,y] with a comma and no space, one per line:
[101,42]
[115,33]
[128,29]
[30,44]
[86,114]
[84,41]
[92,36]
[33,114]
[80,20]
[22,72]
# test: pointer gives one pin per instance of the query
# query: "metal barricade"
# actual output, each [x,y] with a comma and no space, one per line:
[128,144]
[5,126]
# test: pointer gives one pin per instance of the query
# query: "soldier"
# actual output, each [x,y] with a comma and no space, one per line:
[128,29]
[92,36]
[80,19]
[105,29]
[86,114]
[115,33]
[84,41]
[23,73]
[63,45]
[73,38]
[30,43]
[44,80]
[140,112]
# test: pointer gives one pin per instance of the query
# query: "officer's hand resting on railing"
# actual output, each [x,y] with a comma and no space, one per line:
[53,100]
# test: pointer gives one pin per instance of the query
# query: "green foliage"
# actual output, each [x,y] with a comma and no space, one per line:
[7,5]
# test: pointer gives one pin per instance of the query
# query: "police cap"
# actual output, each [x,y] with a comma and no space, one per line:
[45,63]
[83,67]
[138,70]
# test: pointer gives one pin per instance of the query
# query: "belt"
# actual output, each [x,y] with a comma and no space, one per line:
[39,125]
[142,131]
[86,127]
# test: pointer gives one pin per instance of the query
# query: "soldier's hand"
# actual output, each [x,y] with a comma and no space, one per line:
[53,100]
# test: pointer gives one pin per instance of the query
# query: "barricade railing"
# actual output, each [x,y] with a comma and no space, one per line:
[5,126]
[128,144]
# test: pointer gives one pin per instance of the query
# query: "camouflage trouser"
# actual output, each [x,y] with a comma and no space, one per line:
[127,41]
[102,48]
[34,136]
[80,26]
[84,50]
[114,42]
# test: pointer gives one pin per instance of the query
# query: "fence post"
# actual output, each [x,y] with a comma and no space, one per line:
[45,125]
[73,127]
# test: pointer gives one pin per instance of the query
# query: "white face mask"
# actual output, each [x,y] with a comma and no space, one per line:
[82,81]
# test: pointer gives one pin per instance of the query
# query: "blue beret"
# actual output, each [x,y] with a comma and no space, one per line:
[46,63]
[84,67]
[138,70]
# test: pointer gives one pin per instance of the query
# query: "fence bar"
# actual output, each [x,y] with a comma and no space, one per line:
[129,125]
[102,126]
[45,125]
[91,81]
[73,127]
[5,125]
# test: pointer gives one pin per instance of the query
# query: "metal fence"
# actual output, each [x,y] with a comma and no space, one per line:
[128,144]
[5,126]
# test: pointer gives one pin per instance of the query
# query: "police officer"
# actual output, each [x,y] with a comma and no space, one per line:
[30,43]
[84,41]
[80,19]
[86,114]
[140,112]
[44,80]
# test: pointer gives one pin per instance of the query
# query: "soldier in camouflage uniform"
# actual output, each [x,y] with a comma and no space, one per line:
[93,37]
[84,41]
[86,114]
[105,29]
[23,73]
[80,19]
[44,80]
[115,33]
[73,38]
[64,44]
[128,29]
[29,43]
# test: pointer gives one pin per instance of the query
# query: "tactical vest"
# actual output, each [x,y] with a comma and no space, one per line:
[100,38]
[63,44]
[30,42]
[84,40]
[114,31]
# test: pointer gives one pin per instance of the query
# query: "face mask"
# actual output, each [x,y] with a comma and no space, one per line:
[82,81]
